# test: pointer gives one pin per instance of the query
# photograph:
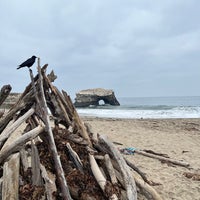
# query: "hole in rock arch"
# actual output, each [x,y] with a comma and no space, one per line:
[101,102]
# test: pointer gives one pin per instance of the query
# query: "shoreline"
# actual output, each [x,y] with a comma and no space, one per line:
[178,138]
[116,118]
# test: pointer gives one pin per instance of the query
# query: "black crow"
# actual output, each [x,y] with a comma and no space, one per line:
[28,63]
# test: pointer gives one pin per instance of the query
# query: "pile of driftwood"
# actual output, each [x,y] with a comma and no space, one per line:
[57,156]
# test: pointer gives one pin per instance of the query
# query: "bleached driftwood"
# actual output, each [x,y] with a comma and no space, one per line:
[92,133]
[78,121]
[11,178]
[11,170]
[77,139]
[149,190]
[63,105]
[26,101]
[110,169]
[97,173]
[131,165]
[1,183]
[59,110]
[125,171]
[75,158]
[35,165]
[5,134]
[24,159]
[50,185]
[52,77]
[19,142]
[99,176]
[34,87]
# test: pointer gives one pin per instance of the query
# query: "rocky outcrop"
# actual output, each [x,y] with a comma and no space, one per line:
[10,100]
[89,97]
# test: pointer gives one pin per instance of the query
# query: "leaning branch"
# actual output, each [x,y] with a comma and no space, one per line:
[56,158]
[18,144]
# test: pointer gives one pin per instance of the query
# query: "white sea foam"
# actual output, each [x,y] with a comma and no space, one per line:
[176,112]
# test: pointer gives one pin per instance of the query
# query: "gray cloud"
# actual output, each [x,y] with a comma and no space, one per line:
[136,48]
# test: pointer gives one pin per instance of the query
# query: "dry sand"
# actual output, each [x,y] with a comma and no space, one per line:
[179,138]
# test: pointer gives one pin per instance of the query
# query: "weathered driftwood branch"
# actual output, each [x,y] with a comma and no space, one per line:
[5,91]
[56,99]
[77,119]
[50,186]
[77,139]
[2,113]
[137,170]
[64,103]
[125,171]
[19,142]
[97,173]
[34,87]
[155,153]
[58,167]
[11,170]
[52,77]
[149,191]
[10,185]
[99,176]
[1,183]
[75,158]
[175,162]
[110,169]
[10,123]
[7,132]
[93,134]
[8,117]
[35,165]
[25,102]
[24,159]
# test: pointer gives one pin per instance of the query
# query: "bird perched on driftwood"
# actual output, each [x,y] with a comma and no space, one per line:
[28,63]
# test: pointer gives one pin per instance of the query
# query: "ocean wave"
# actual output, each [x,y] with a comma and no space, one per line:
[142,112]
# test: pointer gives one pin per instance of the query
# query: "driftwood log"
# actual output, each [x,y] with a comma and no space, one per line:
[163,159]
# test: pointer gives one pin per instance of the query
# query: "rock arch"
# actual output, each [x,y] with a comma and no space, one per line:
[89,97]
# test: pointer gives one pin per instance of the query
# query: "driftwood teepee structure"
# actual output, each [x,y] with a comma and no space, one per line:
[59,158]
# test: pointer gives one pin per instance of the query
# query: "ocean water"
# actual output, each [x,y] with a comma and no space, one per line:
[147,107]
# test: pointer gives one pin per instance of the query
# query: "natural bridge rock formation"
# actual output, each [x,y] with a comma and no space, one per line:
[89,97]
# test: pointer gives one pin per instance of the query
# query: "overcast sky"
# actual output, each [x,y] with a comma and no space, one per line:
[135,47]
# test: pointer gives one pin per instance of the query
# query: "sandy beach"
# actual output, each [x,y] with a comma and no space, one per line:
[178,138]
